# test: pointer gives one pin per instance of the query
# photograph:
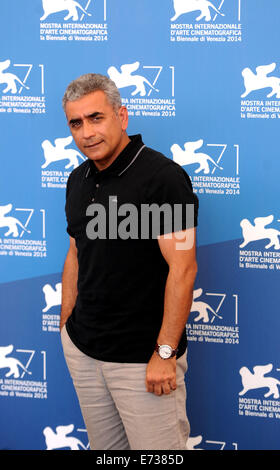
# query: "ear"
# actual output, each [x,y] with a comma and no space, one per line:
[123,115]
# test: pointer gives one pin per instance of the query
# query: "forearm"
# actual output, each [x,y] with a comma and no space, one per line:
[160,373]
[177,304]
[69,287]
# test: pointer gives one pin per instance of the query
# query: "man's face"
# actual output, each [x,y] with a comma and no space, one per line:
[98,130]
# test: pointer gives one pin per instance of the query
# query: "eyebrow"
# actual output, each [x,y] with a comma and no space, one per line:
[91,115]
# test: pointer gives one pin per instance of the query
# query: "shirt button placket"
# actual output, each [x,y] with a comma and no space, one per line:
[97,185]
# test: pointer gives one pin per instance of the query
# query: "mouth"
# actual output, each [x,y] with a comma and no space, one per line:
[93,145]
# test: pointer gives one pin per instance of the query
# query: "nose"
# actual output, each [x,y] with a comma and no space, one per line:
[88,129]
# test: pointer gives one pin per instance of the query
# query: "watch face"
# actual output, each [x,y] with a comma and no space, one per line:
[165,351]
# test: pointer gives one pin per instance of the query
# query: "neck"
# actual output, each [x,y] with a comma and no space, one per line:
[123,143]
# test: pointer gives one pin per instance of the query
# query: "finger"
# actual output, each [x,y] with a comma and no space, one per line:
[149,387]
[157,389]
[173,384]
[166,388]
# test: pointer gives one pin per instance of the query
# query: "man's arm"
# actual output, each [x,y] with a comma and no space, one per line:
[181,258]
[69,283]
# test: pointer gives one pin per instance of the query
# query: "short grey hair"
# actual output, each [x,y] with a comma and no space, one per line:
[89,83]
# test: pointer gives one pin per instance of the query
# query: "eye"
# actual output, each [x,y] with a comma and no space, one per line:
[75,124]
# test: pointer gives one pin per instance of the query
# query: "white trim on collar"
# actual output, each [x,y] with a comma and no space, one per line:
[133,160]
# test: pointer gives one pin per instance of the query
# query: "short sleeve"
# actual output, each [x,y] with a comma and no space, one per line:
[171,190]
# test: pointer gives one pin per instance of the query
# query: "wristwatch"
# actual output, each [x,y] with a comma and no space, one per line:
[165,351]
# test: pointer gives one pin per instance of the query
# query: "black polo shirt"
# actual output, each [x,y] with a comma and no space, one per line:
[121,282]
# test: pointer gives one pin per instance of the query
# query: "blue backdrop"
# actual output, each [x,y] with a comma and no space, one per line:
[201,81]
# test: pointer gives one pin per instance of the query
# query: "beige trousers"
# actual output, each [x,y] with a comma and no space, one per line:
[118,412]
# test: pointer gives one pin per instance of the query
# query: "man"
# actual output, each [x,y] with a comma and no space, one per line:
[125,297]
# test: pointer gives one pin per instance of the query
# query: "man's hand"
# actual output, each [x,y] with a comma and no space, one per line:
[161,375]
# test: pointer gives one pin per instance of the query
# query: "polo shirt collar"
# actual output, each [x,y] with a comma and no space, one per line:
[122,161]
